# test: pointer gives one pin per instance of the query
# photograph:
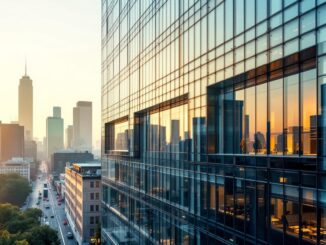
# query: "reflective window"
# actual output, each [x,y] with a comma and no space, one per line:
[307,40]
[291,13]
[276,21]
[239,13]
[276,37]
[275,6]
[228,19]
[276,116]
[306,5]
[250,13]
[219,35]
[309,112]
[239,121]
[307,22]
[261,10]
[291,30]
[250,102]
[117,136]
[291,114]
[321,20]
[261,126]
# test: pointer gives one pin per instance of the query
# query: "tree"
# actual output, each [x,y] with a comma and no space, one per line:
[7,213]
[14,189]
[22,228]
[43,235]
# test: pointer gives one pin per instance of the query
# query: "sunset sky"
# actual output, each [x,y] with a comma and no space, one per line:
[61,41]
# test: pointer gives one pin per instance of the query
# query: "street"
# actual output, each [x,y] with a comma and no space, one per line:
[53,213]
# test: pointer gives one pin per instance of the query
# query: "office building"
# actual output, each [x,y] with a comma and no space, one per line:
[11,141]
[17,165]
[25,105]
[61,158]
[69,136]
[82,199]
[82,128]
[54,132]
[213,122]
[30,150]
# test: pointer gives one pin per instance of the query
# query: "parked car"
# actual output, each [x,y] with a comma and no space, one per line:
[65,222]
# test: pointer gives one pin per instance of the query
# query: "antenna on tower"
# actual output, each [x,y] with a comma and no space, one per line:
[25,66]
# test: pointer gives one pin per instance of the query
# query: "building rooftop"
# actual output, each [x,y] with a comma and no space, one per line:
[17,161]
[89,169]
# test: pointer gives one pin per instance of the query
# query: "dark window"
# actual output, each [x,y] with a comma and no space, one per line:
[97,196]
[91,208]
[92,184]
[91,220]
[92,196]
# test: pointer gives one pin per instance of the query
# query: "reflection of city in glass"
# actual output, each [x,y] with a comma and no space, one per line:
[214,116]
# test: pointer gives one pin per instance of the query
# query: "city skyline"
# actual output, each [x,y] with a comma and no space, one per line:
[32,30]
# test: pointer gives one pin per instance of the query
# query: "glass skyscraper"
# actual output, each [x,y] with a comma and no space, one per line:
[214,121]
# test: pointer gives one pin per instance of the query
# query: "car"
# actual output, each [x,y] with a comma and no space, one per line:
[47,207]
[47,223]
[38,203]
[45,217]
[59,203]
[52,216]
[65,222]
[70,235]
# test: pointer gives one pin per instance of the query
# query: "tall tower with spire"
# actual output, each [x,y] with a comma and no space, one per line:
[25,104]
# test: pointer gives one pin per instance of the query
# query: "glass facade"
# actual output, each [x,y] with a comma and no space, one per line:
[213,122]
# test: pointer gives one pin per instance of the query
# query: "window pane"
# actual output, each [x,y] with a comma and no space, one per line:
[291,30]
[322,40]
[250,13]
[239,118]
[291,47]
[307,40]
[239,16]
[306,5]
[309,111]
[228,19]
[211,26]
[276,37]
[261,43]
[321,15]
[309,219]
[291,113]
[261,127]
[228,122]
[291,13]
[261,10]
[250,119]
[275,6]
[276,116]
[219,24]
[307,22]
[276,21]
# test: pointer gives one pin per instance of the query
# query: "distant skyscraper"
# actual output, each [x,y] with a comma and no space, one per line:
[82,129]
[54,132]
[11,141]
[69,136]
[25,105]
